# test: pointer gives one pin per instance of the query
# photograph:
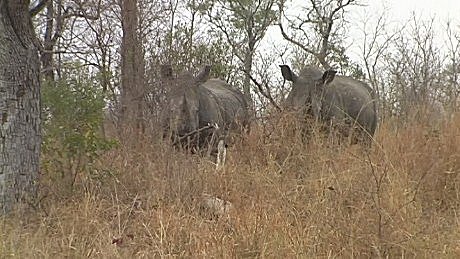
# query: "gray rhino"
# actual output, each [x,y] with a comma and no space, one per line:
[342,102]
[202,111]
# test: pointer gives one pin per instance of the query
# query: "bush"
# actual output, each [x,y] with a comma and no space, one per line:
[72,112]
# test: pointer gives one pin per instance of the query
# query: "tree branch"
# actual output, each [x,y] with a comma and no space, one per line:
[297,43]
[262,91]
[38,8]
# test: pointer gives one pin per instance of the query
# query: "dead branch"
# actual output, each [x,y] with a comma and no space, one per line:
[323,22]
[209,126]
[266,94]
[297,43]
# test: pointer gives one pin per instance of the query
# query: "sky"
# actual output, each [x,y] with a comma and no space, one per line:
[397,12]
[402,9]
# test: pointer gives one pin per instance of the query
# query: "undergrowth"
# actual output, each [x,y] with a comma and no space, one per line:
[290,197]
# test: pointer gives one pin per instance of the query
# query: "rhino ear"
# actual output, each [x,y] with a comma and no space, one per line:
[166,71]
[203,76]
[287,73]
[328,76]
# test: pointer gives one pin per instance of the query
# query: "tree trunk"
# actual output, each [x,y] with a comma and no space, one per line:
[248,59]
[48,44]
[19,106]
[132,69]
[247,79]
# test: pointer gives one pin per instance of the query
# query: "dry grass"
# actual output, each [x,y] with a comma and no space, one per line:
[290,199]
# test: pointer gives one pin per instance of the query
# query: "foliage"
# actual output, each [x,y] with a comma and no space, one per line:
[72,118]
[190,52]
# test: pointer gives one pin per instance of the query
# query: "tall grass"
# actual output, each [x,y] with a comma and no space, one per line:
[290,197]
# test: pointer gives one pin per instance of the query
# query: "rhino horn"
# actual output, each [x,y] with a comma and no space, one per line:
[287,73]
[328,76]
[203,76]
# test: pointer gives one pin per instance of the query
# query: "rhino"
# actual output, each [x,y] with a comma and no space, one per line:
[338,102]
[202,111]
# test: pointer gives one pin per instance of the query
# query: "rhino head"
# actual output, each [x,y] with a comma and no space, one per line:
[184,101]
[307,88]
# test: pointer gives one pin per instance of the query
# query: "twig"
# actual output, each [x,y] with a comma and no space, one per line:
[209,126]
[261,90]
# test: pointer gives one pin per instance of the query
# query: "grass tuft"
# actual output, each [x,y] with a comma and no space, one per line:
[290,197]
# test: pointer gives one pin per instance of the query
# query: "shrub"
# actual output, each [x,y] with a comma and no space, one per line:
[72,112]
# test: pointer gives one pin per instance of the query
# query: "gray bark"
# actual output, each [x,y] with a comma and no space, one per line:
[132,68]
[48,43]
[19,106]
[248,59]
[247,80]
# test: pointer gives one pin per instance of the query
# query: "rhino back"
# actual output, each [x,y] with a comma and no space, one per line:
[347,97]
[208,112]
[222,103]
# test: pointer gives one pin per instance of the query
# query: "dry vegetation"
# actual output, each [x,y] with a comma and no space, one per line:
[289,200]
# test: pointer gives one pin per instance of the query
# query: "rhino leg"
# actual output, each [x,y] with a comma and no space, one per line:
[221,154]
[211,144]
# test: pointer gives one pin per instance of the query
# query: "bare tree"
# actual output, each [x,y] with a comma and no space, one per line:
[451,88]
[414,66]
[54,26]
[375,45]
[318,30]
[19,105]
[101,42]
